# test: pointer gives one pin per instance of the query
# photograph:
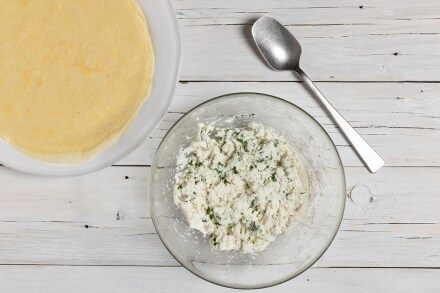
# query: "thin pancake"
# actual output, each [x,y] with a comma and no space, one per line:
[73,74]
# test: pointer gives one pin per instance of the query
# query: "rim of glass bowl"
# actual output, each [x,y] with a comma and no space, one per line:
[313,259]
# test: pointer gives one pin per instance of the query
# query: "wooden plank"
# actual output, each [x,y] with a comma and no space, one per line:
[210,54]
[394,117]
[364,40]
[92,219]
[54,279]
[391,220]
[309,12]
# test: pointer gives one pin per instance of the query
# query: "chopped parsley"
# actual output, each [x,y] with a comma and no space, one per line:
[254,227]
[244,143]
[214,239]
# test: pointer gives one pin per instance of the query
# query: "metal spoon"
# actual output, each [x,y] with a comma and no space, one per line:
[282,52]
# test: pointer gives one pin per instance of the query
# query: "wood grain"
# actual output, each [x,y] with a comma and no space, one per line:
[393,117]
[377,62]
[369,40]
[391,220]
[53,279]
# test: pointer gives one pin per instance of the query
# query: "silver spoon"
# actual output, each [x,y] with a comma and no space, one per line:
[282,52]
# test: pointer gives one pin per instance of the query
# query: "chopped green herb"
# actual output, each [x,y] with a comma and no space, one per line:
[254,227]
[235,170]
[273,177]
[244,143]
[224,140]
[254,206]
[214,239]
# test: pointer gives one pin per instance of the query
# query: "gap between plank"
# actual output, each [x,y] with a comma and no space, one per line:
[186,81]
[180,266]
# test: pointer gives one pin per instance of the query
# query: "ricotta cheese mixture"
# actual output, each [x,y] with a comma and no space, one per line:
[240,187]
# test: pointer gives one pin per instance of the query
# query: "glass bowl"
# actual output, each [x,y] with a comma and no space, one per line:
[313,230]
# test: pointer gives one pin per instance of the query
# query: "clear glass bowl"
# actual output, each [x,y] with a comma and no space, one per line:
[290,254]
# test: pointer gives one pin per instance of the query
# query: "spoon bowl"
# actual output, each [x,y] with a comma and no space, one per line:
[277,45]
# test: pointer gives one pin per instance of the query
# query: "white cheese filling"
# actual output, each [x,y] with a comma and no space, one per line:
[240,187]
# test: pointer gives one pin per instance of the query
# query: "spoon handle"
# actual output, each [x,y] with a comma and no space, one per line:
[367,154]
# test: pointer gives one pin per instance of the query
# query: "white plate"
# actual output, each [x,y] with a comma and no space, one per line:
[166,40]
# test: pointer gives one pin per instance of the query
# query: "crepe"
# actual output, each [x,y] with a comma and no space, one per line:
[73,74]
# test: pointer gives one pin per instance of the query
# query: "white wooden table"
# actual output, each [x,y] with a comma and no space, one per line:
[377,61]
